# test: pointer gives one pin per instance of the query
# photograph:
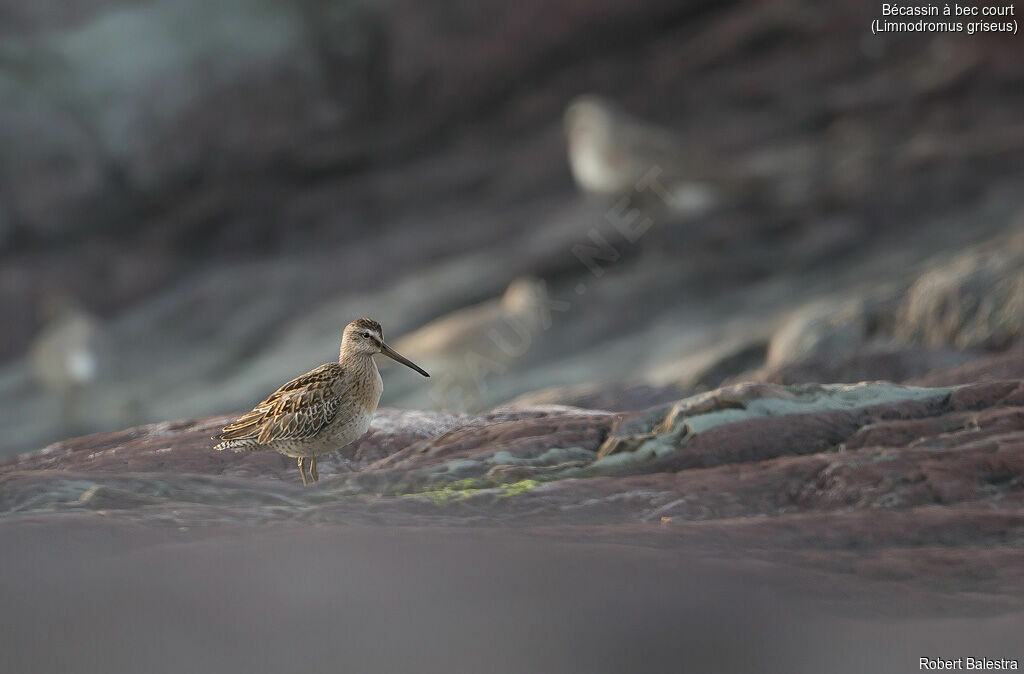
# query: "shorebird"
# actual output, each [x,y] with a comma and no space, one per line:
[66,354]
[613,154]
[475,341]
[324,409]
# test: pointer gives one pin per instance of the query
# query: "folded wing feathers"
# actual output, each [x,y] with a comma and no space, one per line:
[297,410]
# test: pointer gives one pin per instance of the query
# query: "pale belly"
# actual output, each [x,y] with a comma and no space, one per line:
[593,172]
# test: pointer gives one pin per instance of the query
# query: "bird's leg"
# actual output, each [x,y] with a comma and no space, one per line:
[302,470]
[314,474]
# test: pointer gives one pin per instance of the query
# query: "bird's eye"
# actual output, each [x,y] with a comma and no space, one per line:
[366,334]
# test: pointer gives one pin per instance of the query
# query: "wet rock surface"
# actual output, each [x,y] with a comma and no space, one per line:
[923,486]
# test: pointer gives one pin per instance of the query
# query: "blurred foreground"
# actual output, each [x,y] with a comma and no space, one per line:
[112,598]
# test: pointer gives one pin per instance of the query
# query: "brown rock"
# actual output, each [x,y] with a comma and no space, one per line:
[896,364]
[1008,365]
[100,497]
[846,478]
[974,300]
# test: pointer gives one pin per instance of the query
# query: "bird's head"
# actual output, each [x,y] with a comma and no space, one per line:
[589,118]
[364,336]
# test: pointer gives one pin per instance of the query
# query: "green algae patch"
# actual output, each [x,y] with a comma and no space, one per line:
[517,488]
[463,490]
[449,493]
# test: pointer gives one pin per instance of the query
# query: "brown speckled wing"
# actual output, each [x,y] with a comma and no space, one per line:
[296,411]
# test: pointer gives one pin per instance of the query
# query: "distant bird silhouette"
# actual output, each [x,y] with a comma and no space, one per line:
[469,344]
[615,155]
[324,409]
[67,353]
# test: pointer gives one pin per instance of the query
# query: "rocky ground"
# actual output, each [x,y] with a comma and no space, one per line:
[917,487]
[758,527]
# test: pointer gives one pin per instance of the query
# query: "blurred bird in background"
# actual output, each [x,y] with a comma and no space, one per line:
[68,354]
[615,155]
[467,345]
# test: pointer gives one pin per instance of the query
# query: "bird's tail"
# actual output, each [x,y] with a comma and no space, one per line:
[238,445]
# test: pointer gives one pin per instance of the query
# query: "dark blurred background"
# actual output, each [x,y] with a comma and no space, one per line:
[195,197]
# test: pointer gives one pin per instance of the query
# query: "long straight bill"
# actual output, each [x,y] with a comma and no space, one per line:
[394,355]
